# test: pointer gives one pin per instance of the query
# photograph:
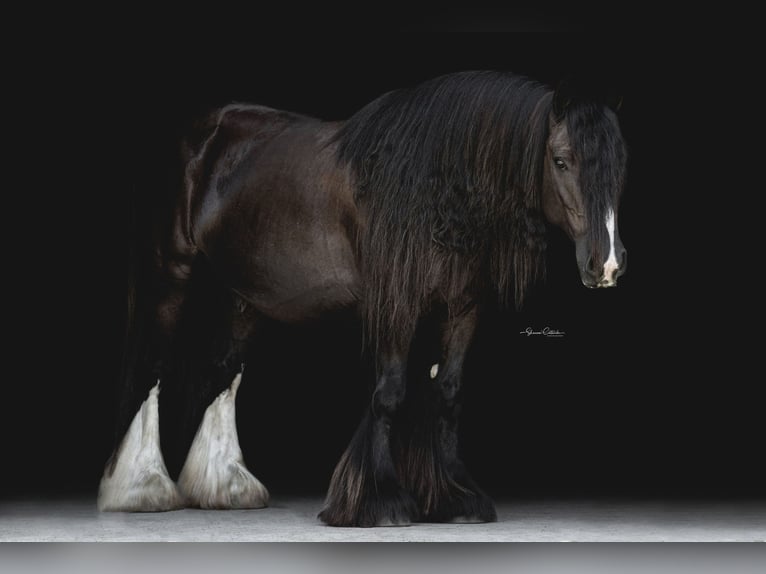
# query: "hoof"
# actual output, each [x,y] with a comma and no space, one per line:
[152,492]
[462,506]
[384,506]
[233,487]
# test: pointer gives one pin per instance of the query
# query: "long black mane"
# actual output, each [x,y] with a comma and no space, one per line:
[449,176]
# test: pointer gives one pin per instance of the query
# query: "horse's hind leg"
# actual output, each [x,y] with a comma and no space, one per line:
[433,468]
[214,474]
[135,478]
[365,489]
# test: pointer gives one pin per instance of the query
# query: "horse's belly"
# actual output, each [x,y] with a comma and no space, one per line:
[293,281]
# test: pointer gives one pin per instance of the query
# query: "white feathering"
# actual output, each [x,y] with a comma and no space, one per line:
[214,474]
[139,481]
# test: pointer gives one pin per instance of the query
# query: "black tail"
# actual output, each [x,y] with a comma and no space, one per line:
[138,306]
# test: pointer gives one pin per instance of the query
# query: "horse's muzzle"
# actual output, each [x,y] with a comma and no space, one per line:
[612,282]
[602,274]
[608,278]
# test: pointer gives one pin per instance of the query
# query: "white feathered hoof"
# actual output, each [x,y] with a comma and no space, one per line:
[214,475]
[137,479]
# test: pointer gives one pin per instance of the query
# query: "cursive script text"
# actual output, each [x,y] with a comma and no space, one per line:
[545,332]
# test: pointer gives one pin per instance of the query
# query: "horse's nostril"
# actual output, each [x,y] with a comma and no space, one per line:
[590,267]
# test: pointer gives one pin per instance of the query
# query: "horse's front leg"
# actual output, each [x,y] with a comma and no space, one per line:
[446,491]
[364,489]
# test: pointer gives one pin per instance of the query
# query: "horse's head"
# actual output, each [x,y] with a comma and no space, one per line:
[583,176]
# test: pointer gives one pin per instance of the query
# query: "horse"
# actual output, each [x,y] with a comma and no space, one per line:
[420,208]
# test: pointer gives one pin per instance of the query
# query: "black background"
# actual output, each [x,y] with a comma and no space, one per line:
[652,390]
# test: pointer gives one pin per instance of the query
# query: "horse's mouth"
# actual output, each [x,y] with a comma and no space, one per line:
[602,284]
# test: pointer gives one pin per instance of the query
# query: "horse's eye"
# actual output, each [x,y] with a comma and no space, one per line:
[560,163]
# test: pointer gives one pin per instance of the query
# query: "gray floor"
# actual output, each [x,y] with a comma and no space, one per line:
[294,520]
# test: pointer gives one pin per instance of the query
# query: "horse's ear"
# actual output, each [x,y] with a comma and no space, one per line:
[614,100]
[562,98]
[586,86]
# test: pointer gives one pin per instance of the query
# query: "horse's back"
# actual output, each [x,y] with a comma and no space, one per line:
[267,203]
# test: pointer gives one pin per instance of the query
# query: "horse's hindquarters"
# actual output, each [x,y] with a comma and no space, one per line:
[281,234]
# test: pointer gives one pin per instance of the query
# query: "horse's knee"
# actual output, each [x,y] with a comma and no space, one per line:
[448,383]
[389,394]
[172,274]
[168,312]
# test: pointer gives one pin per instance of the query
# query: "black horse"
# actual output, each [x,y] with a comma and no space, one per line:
[425,204]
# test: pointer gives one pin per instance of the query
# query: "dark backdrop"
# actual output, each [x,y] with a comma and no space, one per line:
[650,392]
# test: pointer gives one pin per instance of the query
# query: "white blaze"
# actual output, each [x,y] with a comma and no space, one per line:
[434,370]
[214,474]
[610,265]
[139,480]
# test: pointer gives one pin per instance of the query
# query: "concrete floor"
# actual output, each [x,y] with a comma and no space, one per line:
[294,520]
